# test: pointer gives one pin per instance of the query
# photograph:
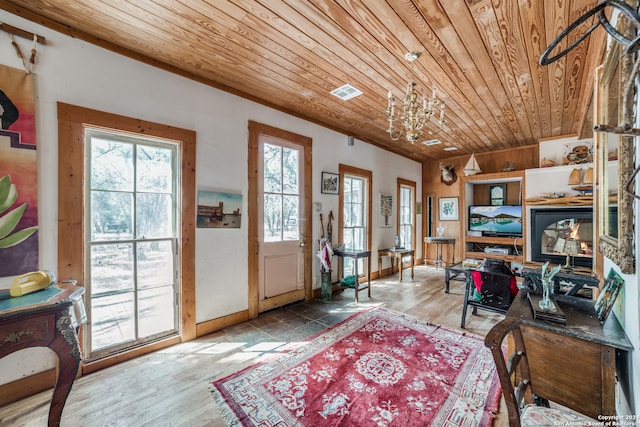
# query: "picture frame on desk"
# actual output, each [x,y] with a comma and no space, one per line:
[610,290]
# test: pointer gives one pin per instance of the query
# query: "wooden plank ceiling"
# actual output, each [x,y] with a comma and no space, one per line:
[482,55]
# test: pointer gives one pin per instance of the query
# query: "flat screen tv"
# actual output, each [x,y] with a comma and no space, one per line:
[496,220]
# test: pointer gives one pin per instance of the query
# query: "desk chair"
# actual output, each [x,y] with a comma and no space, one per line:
[520,399]
[491,287]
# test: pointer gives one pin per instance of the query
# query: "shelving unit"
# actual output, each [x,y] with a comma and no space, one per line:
[517,244]
[474,189]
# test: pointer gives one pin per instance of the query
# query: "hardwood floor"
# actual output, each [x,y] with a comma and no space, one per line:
[170,387]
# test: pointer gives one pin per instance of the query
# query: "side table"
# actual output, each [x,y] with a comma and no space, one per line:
[399,254]
[439,241]
[356,255]
[50,318]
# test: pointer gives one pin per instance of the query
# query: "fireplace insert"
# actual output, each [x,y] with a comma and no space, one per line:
[561,234]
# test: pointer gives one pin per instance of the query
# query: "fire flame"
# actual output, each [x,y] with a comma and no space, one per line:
[574,232]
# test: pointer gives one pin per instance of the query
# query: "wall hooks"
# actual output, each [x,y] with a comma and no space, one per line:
[22,33]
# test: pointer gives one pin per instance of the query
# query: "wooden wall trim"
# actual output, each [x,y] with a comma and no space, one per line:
[27,386]
[219,323]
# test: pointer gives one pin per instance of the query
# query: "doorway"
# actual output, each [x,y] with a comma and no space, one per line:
[280,221]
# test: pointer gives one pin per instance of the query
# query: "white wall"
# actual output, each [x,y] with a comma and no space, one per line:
[75,72]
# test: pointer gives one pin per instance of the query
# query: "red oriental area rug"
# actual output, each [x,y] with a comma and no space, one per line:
[377,368]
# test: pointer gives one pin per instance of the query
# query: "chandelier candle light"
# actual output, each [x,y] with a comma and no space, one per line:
[416,112]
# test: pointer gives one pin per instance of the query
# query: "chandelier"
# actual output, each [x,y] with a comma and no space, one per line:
[416,109]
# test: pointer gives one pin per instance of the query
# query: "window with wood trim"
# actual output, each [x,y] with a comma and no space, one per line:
[76,234]
[407,213]
[354,220]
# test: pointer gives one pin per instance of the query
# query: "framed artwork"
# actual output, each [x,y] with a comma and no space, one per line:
[498,194]
[610,290]
[330,183]
[219,210]
[386,210]
[448,208]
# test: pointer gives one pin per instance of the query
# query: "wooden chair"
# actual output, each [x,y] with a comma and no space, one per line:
[495,294]
[521,399]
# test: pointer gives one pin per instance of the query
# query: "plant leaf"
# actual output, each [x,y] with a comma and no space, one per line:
[10,220]
[10,198]
[5,184]
[17,237]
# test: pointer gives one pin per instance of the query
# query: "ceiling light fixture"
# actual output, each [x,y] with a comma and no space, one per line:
[416,112]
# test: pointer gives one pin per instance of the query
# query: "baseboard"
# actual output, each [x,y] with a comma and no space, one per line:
[27,386]
[219,323]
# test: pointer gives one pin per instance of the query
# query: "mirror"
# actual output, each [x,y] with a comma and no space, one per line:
[615,156]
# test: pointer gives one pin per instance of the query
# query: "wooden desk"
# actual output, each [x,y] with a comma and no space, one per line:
[574,365]
[393,254]
[439,241]
[47,318]
[356,255]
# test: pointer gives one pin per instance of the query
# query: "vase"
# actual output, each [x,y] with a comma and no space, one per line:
[440,230]
[325,286]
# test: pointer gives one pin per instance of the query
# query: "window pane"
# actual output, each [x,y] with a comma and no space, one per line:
[290,171]
[154,216]
[291,218]
[272,168]
[357,219]
[155,263]
[112,320]
[348,183]
[111,215]
[111,268]
[153,306]
[272,218]
[154,169]
[111,165]
[358,238]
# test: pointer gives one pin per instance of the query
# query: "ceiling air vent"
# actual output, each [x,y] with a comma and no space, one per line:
[432,142]
[450,148]
[346,92]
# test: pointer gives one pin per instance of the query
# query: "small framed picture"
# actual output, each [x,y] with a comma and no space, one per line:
[498,194]
[448,208]
[330,183]
[610,290]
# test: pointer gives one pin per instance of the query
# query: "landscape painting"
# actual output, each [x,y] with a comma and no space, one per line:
[219,210]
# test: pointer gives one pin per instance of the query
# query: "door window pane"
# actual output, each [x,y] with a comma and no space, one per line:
[281,208]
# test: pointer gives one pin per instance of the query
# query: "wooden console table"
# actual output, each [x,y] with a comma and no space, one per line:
[439,241]
[399,254]
[356,255]
[47,318]
[574,364]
